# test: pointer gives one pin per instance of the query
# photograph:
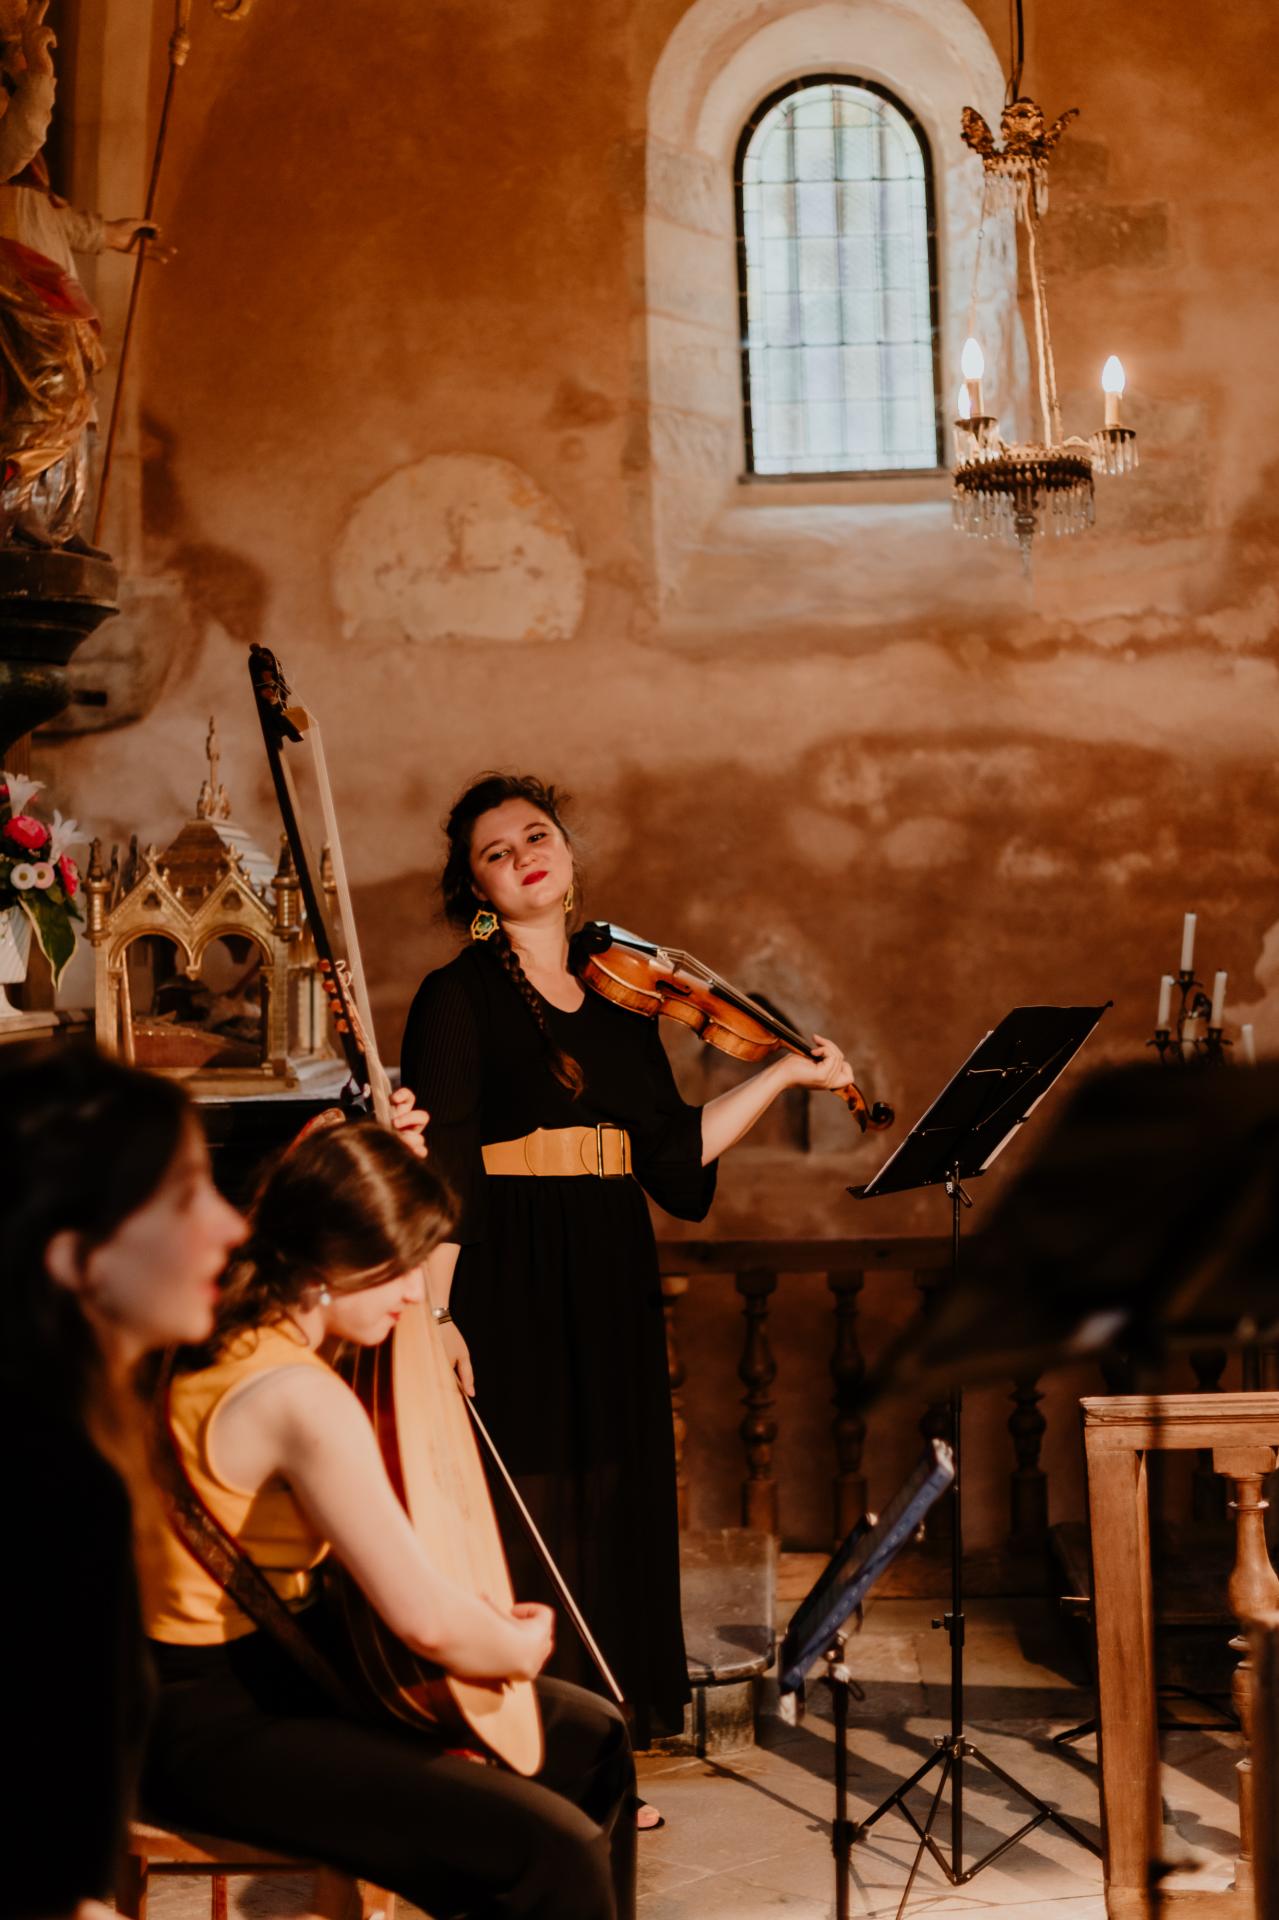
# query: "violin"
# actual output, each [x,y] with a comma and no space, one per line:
[648,979]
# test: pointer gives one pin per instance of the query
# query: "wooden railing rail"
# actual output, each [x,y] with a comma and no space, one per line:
[756,1266]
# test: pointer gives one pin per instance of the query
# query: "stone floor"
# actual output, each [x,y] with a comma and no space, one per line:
[748,1837]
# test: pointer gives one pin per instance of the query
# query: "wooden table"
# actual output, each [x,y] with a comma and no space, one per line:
[1242,1432]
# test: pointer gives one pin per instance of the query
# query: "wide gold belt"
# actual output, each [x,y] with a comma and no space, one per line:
[604,1151]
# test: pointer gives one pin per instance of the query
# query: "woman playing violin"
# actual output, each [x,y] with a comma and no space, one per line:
[278,1449]
[554,1114]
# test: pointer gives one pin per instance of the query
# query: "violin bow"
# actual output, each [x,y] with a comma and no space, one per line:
[285,724]
[544,1554]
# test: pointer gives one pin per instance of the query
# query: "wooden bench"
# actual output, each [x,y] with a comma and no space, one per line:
[335,1896]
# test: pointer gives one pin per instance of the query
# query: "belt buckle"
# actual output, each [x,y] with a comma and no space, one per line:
[600,1127]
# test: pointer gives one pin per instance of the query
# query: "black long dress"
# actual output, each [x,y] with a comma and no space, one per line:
[557,1295]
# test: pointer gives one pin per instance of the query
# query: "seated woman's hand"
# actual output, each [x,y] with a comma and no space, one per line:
[534,1626]
[459,1355]
[409,1120]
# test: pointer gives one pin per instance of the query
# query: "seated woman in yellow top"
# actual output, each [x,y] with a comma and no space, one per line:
[246,1743]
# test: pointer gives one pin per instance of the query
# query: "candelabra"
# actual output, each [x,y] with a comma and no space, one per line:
[1019,489]
[1197,1036]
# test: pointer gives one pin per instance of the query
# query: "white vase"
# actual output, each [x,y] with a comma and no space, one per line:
[15,951]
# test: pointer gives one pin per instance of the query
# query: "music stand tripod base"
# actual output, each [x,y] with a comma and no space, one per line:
[969,1123]
[819,1629]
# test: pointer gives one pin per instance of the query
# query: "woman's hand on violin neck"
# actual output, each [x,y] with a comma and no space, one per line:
[829,1070]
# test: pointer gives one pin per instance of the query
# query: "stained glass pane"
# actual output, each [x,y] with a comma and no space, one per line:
[839,303]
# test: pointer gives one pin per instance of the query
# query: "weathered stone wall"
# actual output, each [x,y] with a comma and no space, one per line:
[397,421]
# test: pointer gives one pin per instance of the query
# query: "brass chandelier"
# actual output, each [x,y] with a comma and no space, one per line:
[1020,490]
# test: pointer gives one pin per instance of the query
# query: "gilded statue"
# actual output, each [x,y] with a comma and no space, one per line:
[50,334]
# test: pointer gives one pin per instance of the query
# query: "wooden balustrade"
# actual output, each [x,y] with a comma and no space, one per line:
[757,1266]
[847,1372]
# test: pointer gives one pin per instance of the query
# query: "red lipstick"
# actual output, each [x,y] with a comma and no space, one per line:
[531,879]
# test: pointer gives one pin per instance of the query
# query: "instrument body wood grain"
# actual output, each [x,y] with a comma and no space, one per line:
[652,980]
[408,1390]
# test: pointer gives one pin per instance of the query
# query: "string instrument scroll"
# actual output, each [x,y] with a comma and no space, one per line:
[652,980]
[425,1426]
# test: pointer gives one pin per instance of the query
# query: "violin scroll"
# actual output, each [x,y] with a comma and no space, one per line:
[872,1117]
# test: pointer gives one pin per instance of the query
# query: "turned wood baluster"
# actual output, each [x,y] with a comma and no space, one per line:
[1028,1482]
[935,1424]
[1264,1634]
[674,1286]
[848,1370]
[757,1371]
[1253,1590]
[1208,1492]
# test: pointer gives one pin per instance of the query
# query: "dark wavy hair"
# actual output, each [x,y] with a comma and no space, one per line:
[346,1208]
[460,899]
[85,1142]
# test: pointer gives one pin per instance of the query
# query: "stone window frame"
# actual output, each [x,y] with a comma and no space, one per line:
[824,476]
[689,492]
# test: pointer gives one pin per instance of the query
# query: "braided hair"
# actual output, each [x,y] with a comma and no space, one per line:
[460,900]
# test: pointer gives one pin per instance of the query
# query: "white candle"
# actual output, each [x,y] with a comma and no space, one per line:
[1165,1002]
[972,364]
[1112,385]
[1249,1039]
[1218,1000]
[1188,943]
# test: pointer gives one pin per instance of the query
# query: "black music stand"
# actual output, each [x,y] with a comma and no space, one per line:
[818,1628]
[967,1126]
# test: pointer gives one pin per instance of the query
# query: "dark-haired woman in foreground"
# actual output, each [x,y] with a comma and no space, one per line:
[112,1237]
[553,1278]
[281,1452]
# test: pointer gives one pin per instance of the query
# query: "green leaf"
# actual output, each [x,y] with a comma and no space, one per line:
[53,931]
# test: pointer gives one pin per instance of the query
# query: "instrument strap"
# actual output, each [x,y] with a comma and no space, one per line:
[224,1560]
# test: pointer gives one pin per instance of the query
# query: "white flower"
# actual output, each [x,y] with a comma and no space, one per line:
[62,834]
[42,873]
[23,876]
[20,790]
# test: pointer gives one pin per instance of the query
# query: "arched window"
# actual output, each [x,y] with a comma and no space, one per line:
[837,278]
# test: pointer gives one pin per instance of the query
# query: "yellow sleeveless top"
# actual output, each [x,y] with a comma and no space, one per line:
[181,1603]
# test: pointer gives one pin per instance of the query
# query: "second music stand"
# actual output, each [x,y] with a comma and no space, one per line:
[966,1127]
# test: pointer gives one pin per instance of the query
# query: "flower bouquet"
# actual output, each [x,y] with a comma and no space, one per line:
[38,878]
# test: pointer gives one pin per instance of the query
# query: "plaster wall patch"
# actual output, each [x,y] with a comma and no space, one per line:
[460,547]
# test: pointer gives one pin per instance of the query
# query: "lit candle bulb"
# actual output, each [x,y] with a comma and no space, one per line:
[972,364]
[1249,1040]
[963,405]
[1218,1000]
[1112,385]
[1164,1016]
[1188,943]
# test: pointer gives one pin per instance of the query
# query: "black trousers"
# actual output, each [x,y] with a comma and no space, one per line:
[244,1746]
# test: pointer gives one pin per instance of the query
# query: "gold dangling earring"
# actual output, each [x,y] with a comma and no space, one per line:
[568,901]
[484,925]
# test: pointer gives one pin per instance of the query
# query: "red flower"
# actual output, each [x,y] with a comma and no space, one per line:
[26,833]
[69,874]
